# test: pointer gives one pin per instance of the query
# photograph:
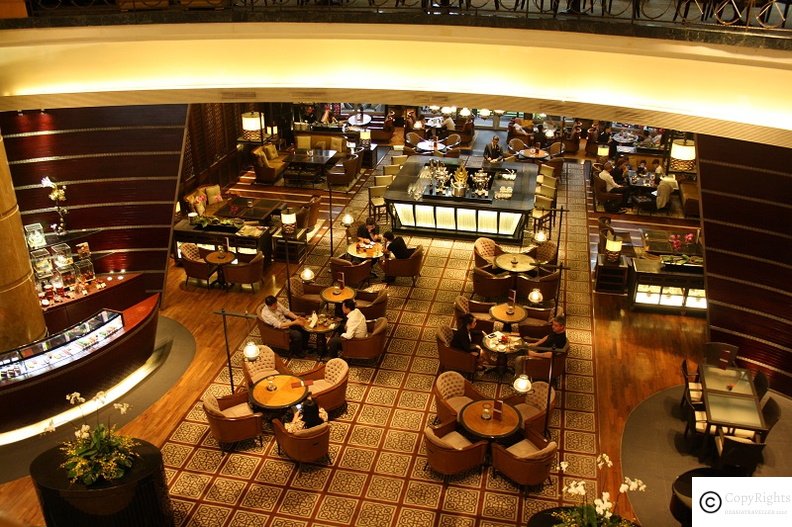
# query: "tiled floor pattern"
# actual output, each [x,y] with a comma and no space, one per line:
[378,475]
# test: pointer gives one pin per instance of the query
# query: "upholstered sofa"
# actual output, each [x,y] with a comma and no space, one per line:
[318,141]
[269,164]
[689,195]
[205,200]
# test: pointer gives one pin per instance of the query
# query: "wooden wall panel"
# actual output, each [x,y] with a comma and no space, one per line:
[120,166]
[750,292]
[89,193]
[109,116]
[93,142]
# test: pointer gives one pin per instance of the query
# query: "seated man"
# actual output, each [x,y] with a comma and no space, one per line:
[355,326]
[657,168]
[277,316]
[449,124]
[612,186]
[395,247]
[555,340]
[369,232]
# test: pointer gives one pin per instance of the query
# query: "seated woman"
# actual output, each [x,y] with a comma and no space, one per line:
[464,336]
[308,415]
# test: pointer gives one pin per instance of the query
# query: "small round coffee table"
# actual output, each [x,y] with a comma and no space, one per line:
[501,314]
[515,262]
[220,259]
[321,331]
[470,419]
[289,390]
[335,295]
[373,252]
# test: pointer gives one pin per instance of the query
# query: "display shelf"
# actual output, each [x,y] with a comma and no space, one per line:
[62,348]
[611,278]
[657,287]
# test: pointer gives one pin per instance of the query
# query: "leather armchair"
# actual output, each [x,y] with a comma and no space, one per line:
[370,347]
[601,194]
[251,273]
[329,384]
[480,310]
[352,230]
[537,366]
[231,419]
[268,171]
[516,145]
[304,446]
[547,285]
[527,462]
[355,275]
[453,140]
[448,452]
[452,392]
[485,250]
[373,304]
[268,363]
[194,264]
[273,337]
[412,139]
[405,266]
[305,297]
[488,285]
[308,214]
[538,322]
[347,174]
[452,358]
[532,406]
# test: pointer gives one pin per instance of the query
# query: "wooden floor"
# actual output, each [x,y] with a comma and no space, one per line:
[637,354]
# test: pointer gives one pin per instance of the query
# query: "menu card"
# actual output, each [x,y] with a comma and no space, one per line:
[512,296]
[497,410]
[341,279]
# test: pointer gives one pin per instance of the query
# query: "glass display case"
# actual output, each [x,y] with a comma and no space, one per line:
[655,286]
[34,235]
[42,263]
[62,348]
[68,275]
[85,269]
[62,255]
[83,251]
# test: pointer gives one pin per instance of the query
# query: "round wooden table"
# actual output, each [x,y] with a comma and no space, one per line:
[430,146]
[321,330]
[284,395]
[220,258]
[470,419]
[532,153]
[515,262]
[502,351]
[365,253]
[329,295]
[359,119]
[500,313]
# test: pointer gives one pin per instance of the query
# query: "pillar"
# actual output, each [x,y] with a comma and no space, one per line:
[21,317]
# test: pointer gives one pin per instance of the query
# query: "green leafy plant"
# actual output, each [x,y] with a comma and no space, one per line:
[100,453]
[599,512]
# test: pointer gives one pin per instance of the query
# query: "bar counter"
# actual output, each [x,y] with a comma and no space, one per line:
[463,217]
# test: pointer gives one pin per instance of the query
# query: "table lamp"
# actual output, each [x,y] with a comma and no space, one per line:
[522,384]
[251,351]
[307,275]
[535,296]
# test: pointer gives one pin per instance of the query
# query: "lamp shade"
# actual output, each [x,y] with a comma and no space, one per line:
[465,112]
[307,275]
[540,236]
[683,150]
[252,121]
[447,110]
[535,296]
[434,108]
[522,384]
[500,112]
[613,245]
[347,220]
[484,113]
[603,150]
[251,351]
[365,135]
[288,220]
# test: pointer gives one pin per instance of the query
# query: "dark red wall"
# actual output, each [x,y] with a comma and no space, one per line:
[746,198]
[121,168]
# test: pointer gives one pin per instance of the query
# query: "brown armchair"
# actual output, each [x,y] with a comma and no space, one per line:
[370,347]
[527,462]
[480,310]
[231,419]
[251,273]
[537,364]
[601,194]
[304,446]
[373,304]
[273,337]
[329,383]
[305,297]
[452,392]
[453,140]
[488,285]
[547,285]
[355,275]
[308,214]
[412,139]
[485,251]
[452,358]
[532,405]
[352,230]
[269,164]
[268,363]
[194,264]
[448,452]
[347,174]
[405,266]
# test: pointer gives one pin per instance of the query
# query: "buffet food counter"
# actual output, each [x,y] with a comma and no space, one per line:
[494,202]
[668,287]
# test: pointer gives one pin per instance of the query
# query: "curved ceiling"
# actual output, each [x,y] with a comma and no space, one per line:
[718,90]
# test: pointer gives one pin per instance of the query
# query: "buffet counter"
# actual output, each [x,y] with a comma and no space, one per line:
[498,211]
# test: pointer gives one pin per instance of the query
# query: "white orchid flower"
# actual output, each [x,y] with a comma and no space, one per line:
[50,427]
[121,407]
[75,398]
[100,396]
[83,433]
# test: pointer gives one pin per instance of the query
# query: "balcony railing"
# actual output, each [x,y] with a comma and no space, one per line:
[723,21]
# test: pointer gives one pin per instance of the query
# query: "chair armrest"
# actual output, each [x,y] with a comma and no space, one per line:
[471,392]
[477,306]
[313,289]
[514,399]
[314,374]
[233,399]
[444,428]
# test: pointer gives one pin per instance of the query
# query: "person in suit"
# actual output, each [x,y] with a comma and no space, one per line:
[464,336]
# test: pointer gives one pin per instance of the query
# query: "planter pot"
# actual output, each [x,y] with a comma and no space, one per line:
[139,499]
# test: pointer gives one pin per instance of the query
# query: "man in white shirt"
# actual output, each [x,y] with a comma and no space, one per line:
[355,326]
[449,124]
[273,313]
[611,185]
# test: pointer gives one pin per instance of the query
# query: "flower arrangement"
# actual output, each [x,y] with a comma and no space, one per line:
[100,453]
[600,511]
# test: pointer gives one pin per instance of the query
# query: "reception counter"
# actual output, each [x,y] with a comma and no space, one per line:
[415,207]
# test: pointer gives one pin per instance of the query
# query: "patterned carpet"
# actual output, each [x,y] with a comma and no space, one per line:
[378,475]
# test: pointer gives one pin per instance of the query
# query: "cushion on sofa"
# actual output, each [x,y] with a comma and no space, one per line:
[271,152]
[303,142]
[214,194]
[337,144]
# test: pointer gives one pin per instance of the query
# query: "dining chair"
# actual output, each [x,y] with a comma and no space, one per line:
[744,454]
[771,413]
[376,204]
[691,386]
[762,385]
[398,160]
[383,181]
[697,423]
[390,170]
[720,354]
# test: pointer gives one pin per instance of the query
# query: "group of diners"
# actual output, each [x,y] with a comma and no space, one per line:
[620,178]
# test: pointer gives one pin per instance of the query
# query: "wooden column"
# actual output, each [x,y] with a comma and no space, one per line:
[21,318]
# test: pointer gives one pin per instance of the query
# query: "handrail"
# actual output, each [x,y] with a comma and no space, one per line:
[664,18]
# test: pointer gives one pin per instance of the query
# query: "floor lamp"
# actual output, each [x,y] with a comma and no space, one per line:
[549,393]
[288,225]
[330,198]
[223,313]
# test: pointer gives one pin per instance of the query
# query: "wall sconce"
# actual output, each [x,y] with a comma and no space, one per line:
[484,113]
[251,351]
[365,138]
[613,250]
[465,112]
[253,126]
[683,155]
[57,195]
[535,296]
[307,275]
[522,384]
